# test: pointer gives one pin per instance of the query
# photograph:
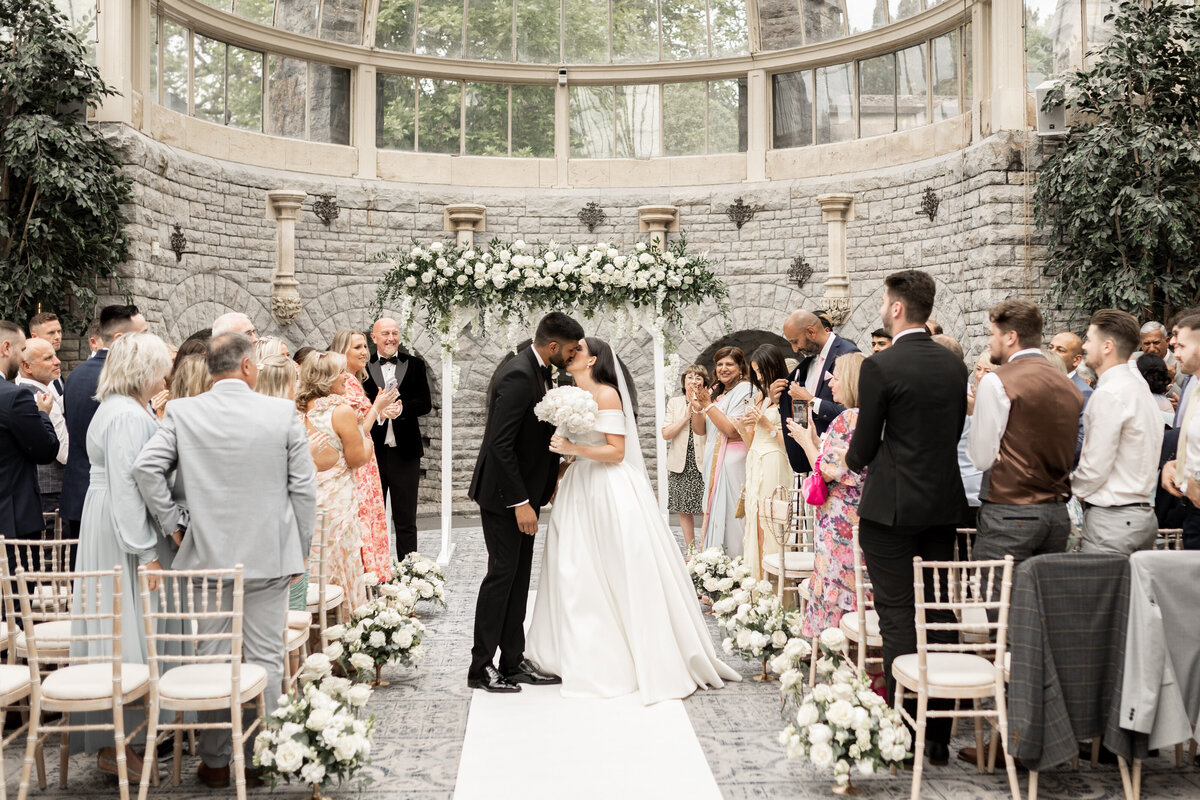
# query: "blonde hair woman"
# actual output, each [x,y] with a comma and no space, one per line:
[321,401]
[270,346]
[116,527]
[685,456]
[276,376]
[190,377]
[377,558]
[832,582]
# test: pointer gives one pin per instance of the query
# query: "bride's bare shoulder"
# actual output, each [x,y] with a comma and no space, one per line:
[607,398]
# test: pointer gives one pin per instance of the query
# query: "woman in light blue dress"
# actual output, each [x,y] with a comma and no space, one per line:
[724,450]
[117,528]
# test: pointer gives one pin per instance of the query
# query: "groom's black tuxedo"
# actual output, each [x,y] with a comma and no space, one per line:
[515,466]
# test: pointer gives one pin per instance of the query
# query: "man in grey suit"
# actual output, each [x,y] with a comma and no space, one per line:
[244,493]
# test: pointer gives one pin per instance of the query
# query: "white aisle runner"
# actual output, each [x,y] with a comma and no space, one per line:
[538,744]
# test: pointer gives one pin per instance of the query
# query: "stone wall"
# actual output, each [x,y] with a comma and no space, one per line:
[977,246]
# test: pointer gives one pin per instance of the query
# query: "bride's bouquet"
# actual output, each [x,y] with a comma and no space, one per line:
[571,410]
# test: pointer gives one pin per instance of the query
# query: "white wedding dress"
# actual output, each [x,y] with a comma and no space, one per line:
[615,611]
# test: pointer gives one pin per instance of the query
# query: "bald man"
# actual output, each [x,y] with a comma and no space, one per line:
[397,433]
[1069,347]
[40,370]
[817,349]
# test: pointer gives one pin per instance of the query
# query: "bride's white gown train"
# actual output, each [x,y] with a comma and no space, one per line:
[615,611]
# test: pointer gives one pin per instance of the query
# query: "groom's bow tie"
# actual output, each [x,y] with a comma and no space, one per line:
[392,360]
[545,373]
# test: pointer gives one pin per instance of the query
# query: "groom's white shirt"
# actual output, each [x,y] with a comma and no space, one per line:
[541,363]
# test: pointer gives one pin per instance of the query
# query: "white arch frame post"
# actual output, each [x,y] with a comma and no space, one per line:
[464,219]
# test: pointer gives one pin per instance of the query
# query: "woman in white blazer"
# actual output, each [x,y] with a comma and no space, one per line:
[685,481]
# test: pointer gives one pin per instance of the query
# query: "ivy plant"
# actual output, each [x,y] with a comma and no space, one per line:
[1120,198]
[61,190]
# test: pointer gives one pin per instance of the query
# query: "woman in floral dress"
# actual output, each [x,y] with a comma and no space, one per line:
[332,423]
[376,557]
[832,581]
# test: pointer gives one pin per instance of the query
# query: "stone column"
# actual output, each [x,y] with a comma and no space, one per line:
[758,123]
[1006,57]
[465,219]
[283,206]
[363,130]
[836,210]
[117,22]
[657,221]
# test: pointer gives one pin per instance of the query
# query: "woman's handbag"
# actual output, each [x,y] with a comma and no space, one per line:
[816,491]
[740,511]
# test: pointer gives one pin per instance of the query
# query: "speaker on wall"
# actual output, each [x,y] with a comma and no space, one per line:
[1050,122]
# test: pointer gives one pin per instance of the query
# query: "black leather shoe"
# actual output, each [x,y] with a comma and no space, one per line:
[531,673]
[492,681]
[937,753]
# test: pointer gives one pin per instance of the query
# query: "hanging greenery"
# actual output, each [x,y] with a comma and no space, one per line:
[504,285]
[61,229]
[1120,197]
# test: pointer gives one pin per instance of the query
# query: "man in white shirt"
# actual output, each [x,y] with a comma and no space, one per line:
[1023,438]
[1181,477]
[40,369]
[1123,432]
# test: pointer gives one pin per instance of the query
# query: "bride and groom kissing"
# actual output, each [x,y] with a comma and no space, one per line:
[615,611]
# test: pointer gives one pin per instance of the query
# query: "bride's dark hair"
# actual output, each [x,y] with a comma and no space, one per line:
[605,369]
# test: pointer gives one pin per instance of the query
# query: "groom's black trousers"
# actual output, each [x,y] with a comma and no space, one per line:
[500,610]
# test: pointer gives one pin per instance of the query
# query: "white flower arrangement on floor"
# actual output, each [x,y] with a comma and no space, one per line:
[317,734]
[381,631]
[716,575]
[843,724]
[759,627]
[422,576]
[571,410]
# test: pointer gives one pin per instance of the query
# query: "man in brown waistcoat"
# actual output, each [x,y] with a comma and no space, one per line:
[1023,435]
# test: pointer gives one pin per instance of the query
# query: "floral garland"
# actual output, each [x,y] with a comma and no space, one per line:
[507,285]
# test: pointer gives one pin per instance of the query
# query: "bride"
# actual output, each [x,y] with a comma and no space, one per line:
[615,612]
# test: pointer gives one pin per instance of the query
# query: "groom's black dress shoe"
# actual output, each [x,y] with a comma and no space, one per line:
[492,681]
[938,753]
[531,673]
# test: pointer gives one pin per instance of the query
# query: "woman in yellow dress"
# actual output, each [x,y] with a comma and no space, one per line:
[767,464]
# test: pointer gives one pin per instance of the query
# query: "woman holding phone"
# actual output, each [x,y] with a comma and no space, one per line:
[685,481]
[715,414]
[767,465]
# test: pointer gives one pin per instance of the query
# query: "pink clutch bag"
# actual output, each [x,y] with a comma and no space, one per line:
[816,491]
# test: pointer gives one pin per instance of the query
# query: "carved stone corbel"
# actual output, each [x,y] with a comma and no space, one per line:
[836,210]
[283,206]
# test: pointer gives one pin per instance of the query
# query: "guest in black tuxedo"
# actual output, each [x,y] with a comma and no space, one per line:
[809,381]
[27,439]
[79,406]
[515,476]
[398,446]
[912,403]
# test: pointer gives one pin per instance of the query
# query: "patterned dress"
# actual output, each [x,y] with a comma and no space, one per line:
[833,570]
[337,508]
[376,557]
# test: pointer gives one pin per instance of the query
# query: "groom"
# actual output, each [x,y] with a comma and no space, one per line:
[515,476]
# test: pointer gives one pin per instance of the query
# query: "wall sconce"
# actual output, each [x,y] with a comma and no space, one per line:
[178,243]
[739,213]
[800,271]
[929,204]
[326,208]
[592,215]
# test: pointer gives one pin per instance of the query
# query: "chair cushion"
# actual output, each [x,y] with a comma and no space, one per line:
[333,596]
[958,670]
[294,637]
[50,636]
[12,678]
[300,619]
[210,681]
[93,681]
[849,627]
[805,589]
[797,563]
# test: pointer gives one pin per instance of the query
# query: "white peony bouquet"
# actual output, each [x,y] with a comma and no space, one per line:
[422,576]
[843,723]
[715,574]
[381,631]
[759,627]
[317,734]
[571,410]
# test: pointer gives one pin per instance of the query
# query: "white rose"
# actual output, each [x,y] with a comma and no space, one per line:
[334,650]
[819,733]
[289,756]
[436,247]
[710,584]
[821,693]
[426,590]
[843,692]
[402,639]
[807,715]
[779,639]
[318,664]
[866,767]
[861,717]
[335,687]
[840,713]
[318,719]
[727,646]
[797,648]
[833,638]
[335,632]
[346,748]
[821,755]
[378,639]
[313,772]
[289,729]
[743,639]
[758,640]
[358,695]
[362,662]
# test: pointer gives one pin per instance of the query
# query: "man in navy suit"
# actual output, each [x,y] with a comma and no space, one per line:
[27,439]
[809,381]
[79,406]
